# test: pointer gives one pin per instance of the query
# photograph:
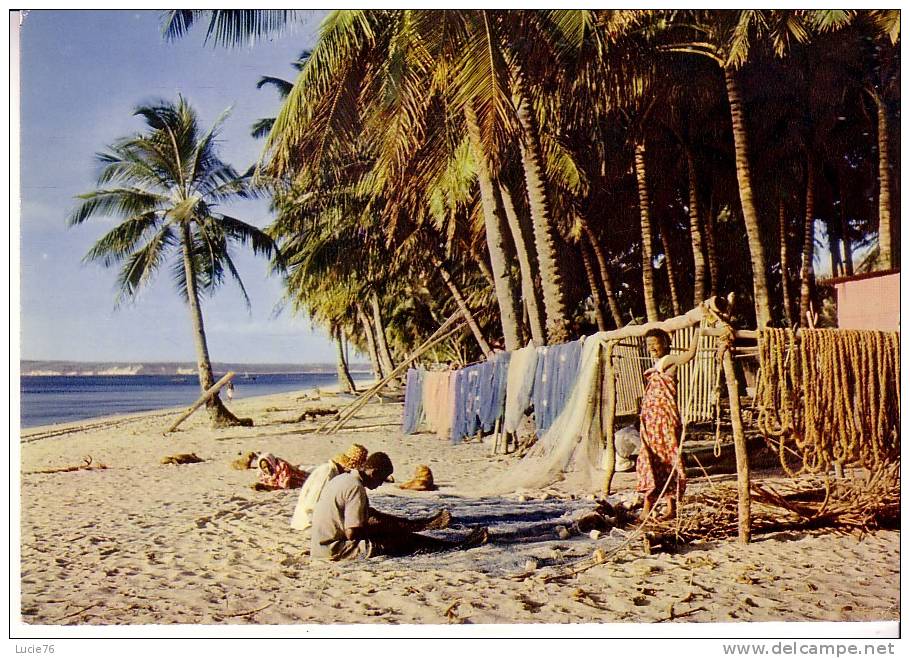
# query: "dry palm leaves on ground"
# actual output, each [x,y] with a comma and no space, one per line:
[857,504]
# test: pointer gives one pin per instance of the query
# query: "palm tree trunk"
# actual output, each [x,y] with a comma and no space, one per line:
[345,383]
[529,291]
[544,231]
[647,254]
[698,256]
[378,372]
[784,261]
[885,254]
[594,285]
[605,275]
[463,307]
[382,346]
[485,271]
[218,413]
[806,272]
[711,251]
[750,214]
[671,269]
[845,224]
[506,295]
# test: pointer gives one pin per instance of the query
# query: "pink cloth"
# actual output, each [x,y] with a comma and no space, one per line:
[438,401]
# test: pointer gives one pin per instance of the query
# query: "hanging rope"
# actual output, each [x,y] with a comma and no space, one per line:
[833,395]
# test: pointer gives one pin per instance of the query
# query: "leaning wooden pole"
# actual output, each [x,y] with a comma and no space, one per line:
[739,444]
[610,417]
[208,395]
[335,424]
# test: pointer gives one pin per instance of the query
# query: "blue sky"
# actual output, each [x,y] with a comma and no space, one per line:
[82,74]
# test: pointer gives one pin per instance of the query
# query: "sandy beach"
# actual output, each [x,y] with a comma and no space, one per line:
[141,542]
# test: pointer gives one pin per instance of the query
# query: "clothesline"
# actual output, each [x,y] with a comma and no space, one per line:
[458,403]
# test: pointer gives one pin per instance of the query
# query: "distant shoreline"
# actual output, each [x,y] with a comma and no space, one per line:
[216,373]
[35,368]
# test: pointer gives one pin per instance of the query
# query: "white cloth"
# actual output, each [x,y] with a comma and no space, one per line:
[309,494]
[628,443]
[519,382]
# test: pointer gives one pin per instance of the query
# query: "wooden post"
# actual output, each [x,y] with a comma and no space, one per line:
[739,444]
[496,435]
[208,395]
[610,416]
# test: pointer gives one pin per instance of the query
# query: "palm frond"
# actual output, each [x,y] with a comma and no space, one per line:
[282,86]
[261,128]
[142,265]
[120,200]
[247,234]
[121,241]
[229,27]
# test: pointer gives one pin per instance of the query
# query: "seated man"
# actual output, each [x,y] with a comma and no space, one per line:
[351,460]
[344,526]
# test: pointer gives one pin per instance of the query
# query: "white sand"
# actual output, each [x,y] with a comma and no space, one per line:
[146,543]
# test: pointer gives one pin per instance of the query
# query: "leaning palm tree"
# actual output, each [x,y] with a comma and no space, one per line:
[165,184]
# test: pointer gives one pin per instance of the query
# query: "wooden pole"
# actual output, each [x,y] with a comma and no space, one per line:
[610,416]
[348,412]
[739,444]
[208,395]
[496,435]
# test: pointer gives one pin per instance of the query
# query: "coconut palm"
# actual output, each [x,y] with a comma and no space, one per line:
[729,38]
[165,185]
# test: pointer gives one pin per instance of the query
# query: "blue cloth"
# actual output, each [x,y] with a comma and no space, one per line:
[459,401]
[467,397]
[557,370]
[480,391]
[413,401]
[493,391]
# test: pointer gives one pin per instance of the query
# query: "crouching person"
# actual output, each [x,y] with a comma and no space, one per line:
[344,528]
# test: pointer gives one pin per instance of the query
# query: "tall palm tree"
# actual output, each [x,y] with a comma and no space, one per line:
[165,185]
[728,38]
[647,253]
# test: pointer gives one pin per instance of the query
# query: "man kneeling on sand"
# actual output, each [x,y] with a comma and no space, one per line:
[344,526]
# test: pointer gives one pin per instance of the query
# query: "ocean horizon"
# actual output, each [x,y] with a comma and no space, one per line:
[54,399]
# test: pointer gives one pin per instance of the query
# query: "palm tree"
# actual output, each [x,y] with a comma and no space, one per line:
[165,185]
[647,253]
[727,38]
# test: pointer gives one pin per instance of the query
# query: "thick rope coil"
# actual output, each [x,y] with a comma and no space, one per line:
[831,396]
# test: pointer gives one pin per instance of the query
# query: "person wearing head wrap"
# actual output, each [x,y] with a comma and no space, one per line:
[276,473]
[309,494]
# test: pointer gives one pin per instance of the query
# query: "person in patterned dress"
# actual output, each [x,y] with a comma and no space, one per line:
[659,458]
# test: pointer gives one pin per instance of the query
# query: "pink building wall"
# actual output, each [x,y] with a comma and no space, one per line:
[873,303]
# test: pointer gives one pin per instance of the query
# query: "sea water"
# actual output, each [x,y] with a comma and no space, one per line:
[45,400]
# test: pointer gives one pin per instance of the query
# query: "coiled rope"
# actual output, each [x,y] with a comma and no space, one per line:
[830,396]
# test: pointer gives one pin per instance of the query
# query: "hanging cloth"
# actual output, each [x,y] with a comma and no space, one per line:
[413,401]
[437,401]
[493,391]
[557,370]
[574,438]
[519,383]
